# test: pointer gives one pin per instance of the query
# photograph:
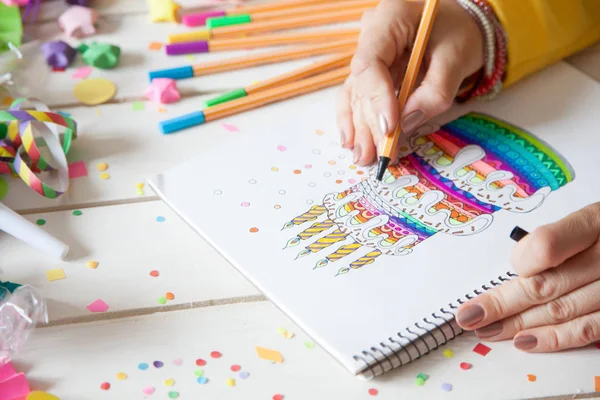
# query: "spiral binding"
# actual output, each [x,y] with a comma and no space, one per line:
[425,336]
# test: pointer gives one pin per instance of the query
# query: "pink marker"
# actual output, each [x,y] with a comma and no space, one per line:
[199,19]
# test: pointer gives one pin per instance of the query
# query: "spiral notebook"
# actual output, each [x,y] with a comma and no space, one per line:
[373,272]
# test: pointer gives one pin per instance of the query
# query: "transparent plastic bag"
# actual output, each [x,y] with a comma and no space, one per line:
[23,70]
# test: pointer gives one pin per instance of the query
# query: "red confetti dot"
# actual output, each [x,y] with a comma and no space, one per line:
[482,349]
[277,397]
[154,273]
[235,368]
[200,362]
[105,386]
[373,392]
[215,354]
[465,365]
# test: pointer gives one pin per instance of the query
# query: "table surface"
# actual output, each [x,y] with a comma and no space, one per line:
[214,308]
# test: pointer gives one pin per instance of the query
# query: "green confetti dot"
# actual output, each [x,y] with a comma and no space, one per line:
[199,372]
[420,382]
[3,186]
[41,222]
[173,395]
[77,213]
[162,300]
[138,106]
[422,376]
[309,344]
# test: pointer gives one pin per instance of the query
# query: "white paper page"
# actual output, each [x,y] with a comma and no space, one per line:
[280,165]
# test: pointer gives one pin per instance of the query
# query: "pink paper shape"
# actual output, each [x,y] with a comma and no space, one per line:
[230,128]
[77,170]
[14,388]
[97,306]
[78,21]
[7,371]
[82,72]
[163,91]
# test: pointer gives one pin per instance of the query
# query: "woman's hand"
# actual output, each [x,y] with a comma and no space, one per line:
[367,107]
[554,304]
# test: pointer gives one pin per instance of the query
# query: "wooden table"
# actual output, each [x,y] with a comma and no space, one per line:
[214,308]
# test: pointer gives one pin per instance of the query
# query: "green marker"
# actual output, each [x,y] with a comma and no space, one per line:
[225,97]
[217,22]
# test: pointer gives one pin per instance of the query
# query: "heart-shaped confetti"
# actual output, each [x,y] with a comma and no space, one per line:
[178,362]
[170,382]
[148,390]
[465,366]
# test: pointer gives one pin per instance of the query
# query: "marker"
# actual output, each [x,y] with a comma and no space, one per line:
[517,234]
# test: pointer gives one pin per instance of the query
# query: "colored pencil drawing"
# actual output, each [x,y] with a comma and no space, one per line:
[452,183]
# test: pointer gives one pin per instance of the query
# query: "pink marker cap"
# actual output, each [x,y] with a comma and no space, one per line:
[199,19]
[177,49]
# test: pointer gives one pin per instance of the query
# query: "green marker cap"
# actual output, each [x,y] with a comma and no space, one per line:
[225,97]
[217,22]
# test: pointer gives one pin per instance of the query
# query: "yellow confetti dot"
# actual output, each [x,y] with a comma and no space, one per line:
[448,353]
[104,176]
[94,91]
[274,169]
[288,335]
[319,132]
[170,382]
[121,376]
[230,382]
[331,162]
[102,166]
[352,167]
[93,264]
[139,185]
[161,110]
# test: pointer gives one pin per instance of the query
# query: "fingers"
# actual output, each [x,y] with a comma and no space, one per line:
[575,333]
[577,303]
[523,293]
[364,147]
[550,245]
[344,116]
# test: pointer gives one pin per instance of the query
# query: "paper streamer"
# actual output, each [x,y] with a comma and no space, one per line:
[33,144]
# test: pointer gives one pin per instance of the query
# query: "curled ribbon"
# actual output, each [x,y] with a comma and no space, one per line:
[31,143]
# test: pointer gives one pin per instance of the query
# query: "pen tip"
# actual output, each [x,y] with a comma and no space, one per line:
[384,162]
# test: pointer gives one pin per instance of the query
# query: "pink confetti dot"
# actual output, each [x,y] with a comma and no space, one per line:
[308,166]
[215,354]
[352,181]
[235,367]
[373,392]
[281,147]
[245,204]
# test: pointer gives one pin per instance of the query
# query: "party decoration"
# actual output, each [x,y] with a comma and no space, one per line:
[11,27]
[163,10]
[58,54]
[100,55]
[94,91]
[78,21]
[163,90]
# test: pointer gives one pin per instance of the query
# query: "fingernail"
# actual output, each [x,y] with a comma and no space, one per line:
[413,121]
[357,153]
[470,315]
[383,126]
[490,330]
[342,138]
[525,342]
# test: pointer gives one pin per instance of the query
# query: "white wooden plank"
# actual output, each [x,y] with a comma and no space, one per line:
[72,361]
[128,243]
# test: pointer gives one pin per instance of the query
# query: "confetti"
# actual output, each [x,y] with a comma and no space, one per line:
[94,91]
[199,372]
[215,354]
[121,376]
[200,362]
[137,105]
[77,213]
[319,132]
[143,366]
[446,387]
[154,273]
[531,378]
[102,166]
[98,306]
[373,392]
[243,375]
[158,364]
[93,264]
[41,222]
[148,390]
[482,349]
[173,395]
[308,166]
[359,172]
[253,229]
[245,204]
[104,386]
[230,128]
[309,344]
[281,147]
[104,176]
[277,206]
[285,333]
[169,382]
[56,69]
[161,300]
[352,181]
[448,353]
[55,274]
[268,354]
[235,368]
[155,46]
[77,170]
[178,361]
[3,188]
[596,383]
[160,219]
[161,110]
[331,162]
[230,382]
[169,296]
[139,185]
[274,169]
[465,366]
[338,181]
[420,380]
[297,172]
[190,57]
[202,380]
[82,72]
[352,166]
[278,397]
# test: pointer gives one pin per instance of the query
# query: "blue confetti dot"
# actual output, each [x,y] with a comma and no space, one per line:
[202,380]
[143,366]
[243,375]
[446,387]
[160,219]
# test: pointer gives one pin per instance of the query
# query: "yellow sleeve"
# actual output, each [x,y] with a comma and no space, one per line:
[542,32]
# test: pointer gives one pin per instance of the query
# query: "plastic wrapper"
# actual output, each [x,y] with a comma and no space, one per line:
[23,70]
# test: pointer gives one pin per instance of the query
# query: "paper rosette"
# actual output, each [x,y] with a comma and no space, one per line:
[37,140]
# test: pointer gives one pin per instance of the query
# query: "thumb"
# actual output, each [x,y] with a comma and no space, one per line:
[434,96]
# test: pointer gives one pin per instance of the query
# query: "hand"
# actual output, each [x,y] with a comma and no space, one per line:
[554,304]
[367,105]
